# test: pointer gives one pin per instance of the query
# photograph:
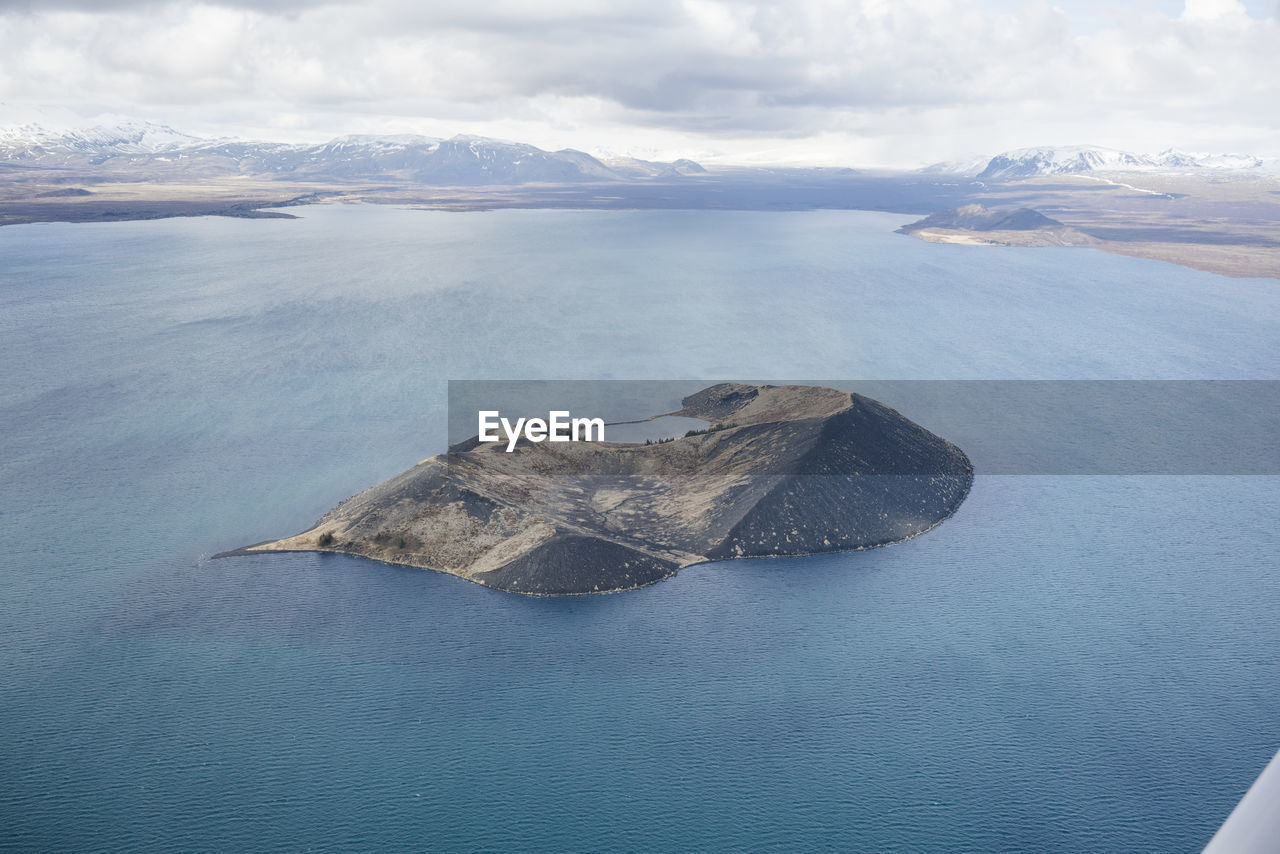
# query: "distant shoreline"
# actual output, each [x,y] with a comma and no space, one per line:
[1241,240]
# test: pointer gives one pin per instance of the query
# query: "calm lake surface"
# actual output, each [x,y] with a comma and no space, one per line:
[1069,664]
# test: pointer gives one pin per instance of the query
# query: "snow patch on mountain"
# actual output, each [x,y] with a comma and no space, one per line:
[1079,159]
[965,167]
[33,140]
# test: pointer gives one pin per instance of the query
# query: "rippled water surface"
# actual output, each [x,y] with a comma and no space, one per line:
[1068,664]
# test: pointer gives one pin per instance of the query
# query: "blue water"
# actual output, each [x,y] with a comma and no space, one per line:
[1069,664]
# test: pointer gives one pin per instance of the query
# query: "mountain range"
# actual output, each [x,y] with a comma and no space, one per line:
[1083,159]
[159,151]
[154,151]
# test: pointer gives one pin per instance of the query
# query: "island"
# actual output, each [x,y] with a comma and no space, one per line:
[780,470]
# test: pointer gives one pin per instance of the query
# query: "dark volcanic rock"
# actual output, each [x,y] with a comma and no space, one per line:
[795,470]
[572,563]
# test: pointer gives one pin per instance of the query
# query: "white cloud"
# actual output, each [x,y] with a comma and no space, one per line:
[812,80]
[1208,10]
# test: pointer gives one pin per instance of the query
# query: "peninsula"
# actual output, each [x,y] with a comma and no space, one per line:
[980,226]
[787,470]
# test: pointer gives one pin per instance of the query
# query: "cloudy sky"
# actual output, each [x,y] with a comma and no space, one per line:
[844,82]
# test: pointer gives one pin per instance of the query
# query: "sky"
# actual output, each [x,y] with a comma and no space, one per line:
[805,82]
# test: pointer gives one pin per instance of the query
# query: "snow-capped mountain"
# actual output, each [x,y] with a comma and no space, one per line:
[636,168]
[967,167]
[151,150]
[1068,160]
[35,141]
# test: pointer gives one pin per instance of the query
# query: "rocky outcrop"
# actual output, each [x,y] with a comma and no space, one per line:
[791,470]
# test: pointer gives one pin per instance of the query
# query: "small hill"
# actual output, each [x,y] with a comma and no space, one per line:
[976,224]
[979,218]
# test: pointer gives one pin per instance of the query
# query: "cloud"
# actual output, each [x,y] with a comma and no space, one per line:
[907,78]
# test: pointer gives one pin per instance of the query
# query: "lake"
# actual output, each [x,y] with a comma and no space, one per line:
[1071,663]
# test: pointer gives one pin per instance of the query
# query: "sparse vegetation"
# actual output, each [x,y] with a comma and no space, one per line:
[326,540]
[712,429]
